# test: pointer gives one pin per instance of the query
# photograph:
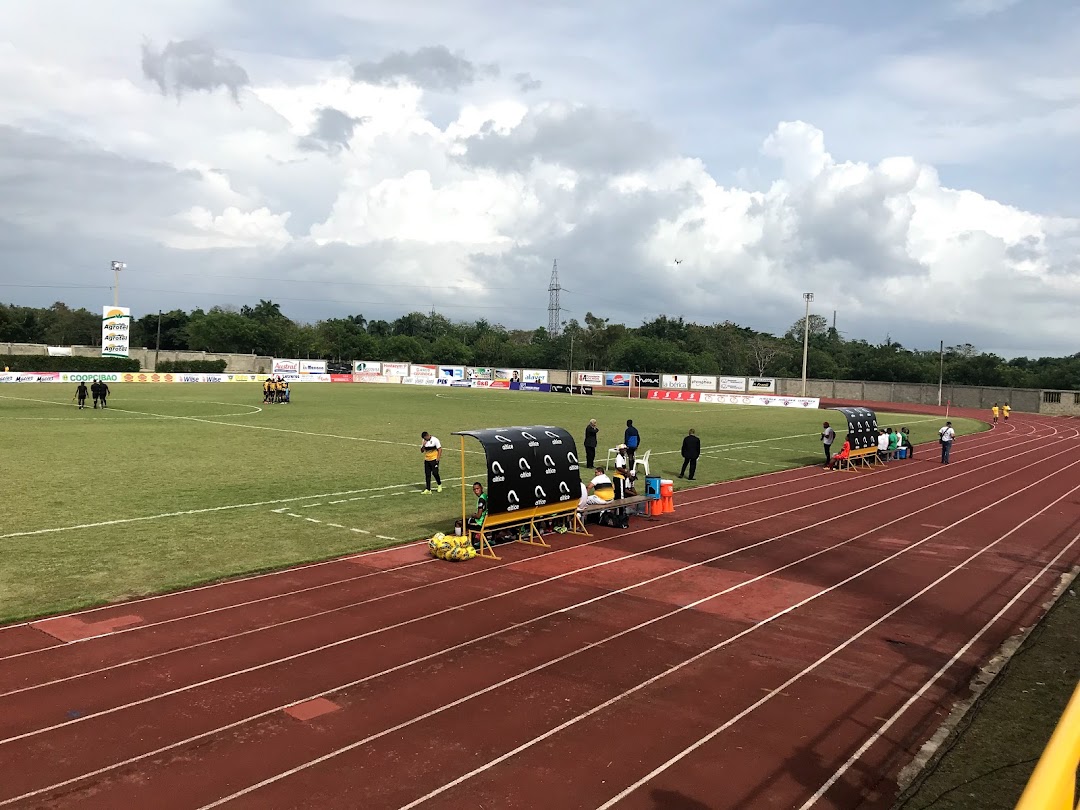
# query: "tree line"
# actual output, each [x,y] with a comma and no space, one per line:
[664,344]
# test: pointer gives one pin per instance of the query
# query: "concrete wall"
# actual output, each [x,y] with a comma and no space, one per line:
[962,396]
[235,363]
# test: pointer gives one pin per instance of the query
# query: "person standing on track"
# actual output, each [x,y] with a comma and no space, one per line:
[1005,411]
[994,412]
[80,395]
[431,448]
[828,436]
[691,452]
[946,436]
[590,443]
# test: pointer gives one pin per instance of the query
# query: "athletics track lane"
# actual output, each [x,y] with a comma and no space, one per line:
[617,611]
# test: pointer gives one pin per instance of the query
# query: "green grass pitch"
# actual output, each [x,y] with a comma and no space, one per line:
[181,484]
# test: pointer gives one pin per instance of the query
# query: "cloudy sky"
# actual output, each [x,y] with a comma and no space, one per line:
[913,164]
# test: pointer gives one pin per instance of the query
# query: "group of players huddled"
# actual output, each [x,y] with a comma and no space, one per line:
[275,389]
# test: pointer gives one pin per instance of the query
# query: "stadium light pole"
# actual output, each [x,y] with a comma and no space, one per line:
[116,268]
[808,297]
[941,371]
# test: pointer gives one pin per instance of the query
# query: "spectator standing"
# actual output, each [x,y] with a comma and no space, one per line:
[431,449]
[946,436]
[691,452]
[591,430]
[632,439]
[828,436]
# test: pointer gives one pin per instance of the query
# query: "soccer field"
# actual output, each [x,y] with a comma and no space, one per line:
[175,485]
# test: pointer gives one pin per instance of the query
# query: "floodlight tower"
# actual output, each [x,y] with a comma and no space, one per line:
[808,297]
[553,301]
[116,268]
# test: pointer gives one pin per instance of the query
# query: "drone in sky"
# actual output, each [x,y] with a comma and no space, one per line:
[678,261]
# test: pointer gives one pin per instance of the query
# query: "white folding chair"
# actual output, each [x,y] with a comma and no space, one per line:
[643,462]
[612,451]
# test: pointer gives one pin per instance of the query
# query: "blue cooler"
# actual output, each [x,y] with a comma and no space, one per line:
[652,487]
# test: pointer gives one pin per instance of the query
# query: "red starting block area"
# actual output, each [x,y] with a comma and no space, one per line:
[789,640]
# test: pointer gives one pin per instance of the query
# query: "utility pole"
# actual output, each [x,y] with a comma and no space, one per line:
[116,268]
[157,349]
[941,372]
[554,306]
[808,297]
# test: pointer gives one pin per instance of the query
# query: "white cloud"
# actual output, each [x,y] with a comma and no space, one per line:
[376,182]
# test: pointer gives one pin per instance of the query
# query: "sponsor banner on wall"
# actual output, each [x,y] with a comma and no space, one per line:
[368,377]
[503,384]
[89,376]
[148,378]
[534,375]
[29,376]
[585,390]
[701,383]
[452,372]
[341,378]
[511,374]
[115,331]
[761,385]
[675,396]
[677,381]
[647,380]
[590,378]
[285,366]
[59,351]
[395,369]
[732,383]
[761,400]
[423,370]
[477,373]
[365,367]
[418,380]
[316,378]
[312,366]
[530,386]
[244,377]
[617,378]
[454,382]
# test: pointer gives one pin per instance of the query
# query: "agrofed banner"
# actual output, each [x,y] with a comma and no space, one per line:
[528,466]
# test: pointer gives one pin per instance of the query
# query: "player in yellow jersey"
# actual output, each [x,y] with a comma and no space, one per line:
[267,389]
[432,452]
[1005,411]
[994,412]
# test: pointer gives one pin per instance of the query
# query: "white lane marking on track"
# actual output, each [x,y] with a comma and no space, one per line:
[699,656]
[228,607]
[617,698]
[409,590]
[922,690]
[400,666]
[839,648]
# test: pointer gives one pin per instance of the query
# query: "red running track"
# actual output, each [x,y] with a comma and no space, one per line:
[788,640]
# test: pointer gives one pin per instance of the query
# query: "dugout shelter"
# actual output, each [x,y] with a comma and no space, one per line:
[532,477]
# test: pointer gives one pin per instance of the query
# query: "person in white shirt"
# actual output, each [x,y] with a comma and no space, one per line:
[883,445]
[624,474]
[828,436]
[946,436]
[584,499]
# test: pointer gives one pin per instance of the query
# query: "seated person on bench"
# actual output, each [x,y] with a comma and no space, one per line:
[843,455]
[624,476]
[476,522]
[602,490]
[883,445]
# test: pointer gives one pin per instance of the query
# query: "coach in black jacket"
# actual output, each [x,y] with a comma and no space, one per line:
[691,450]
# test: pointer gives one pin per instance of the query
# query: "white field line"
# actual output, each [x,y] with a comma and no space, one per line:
[339,526]
[477,572]
[209,421]
[473,573]
[922,690]
[841,647]
[703,654]
[140,415]
[463,644]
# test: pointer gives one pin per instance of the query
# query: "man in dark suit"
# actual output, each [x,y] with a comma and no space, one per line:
[691,450]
